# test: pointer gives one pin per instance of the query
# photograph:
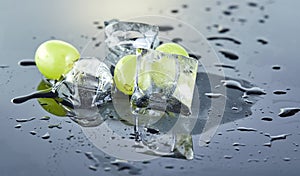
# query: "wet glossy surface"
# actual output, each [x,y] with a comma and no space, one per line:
[256,136]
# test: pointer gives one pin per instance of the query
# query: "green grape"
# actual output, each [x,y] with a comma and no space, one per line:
[51,105]
[125,73]
[167,66]
[172,48]
[55,58]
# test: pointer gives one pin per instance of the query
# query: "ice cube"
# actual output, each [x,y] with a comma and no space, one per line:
[122,38]
[86,87]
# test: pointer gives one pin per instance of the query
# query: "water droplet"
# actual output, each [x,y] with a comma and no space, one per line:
[177,40]
[230,55]
[252,4]
[27,63]
[225,38]
[46,136]
[25,120]
[165,28]
[276,67]
[226,12]
[18,126]
[279,92]
[266,118]
[107,169]
[78,151]
[45,118]
[235,108]
[174,11]
[238,144]
[262,41]
[213,95]
[223,30]
[245,129]
[93,168]
[224,66]
[169,167]
[233,7]
[286,159]
[33,132]
[227,156]
[253,160]
[54,126]
[286,112]
[236,85]
[279,137]
[184,6]
[268,144]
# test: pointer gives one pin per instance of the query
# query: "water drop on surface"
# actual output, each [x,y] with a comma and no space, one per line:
[33,132]
[46,136]
[286,159]
[18,126]
[279,92]
[276,67]
[25,120]
[213,95]
[93,168]
[227,156]
[262,41]
[45,118]
[266,118]
[230,55]
[287,112]
[245,129]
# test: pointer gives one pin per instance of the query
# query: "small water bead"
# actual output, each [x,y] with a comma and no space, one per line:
[286,159]
[279,92]
[174,11]
[46,136]
[45,118]
[165,28]
[236,85]
[227,156]
[245,129]
[213,95]
[262,41]
[235,41]
[287,112]
[92,167]
[18,126]
[276,67]
[27,63]
[229,54]
[33,132]
[224,66]
[238,144]
[266,118]
[25,120]
[252,4]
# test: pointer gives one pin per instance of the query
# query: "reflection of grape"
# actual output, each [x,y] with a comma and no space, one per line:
[55,58]
[51,105]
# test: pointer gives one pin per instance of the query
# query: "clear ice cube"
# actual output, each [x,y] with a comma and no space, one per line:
[86,87]
[122,38]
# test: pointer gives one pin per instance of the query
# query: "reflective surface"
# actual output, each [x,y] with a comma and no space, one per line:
[258,47]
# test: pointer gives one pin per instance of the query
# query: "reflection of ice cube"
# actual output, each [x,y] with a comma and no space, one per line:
[122,38]
[87,87]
